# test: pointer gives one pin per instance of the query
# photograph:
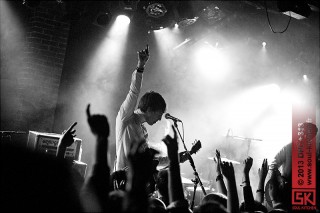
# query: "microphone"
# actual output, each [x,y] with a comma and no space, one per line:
[168,116]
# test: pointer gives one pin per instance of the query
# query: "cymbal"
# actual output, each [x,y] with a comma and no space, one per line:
[186,180]
[225,160]
[191,188]
[204,181]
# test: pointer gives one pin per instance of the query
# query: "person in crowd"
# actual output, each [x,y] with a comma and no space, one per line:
[262,172]
[249,204]
[217,197]
[178,203]
[130,121]
[278,192]
[233,200]
[209,207]
[219,179]
[36,182]
[283,158]
[95,191]
[162,186]
[283,162]
[139,173]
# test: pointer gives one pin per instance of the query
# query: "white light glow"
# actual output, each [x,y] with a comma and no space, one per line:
[166,40]
[123,19]
[264,44]
[251,104]
[211,63]
[108,56]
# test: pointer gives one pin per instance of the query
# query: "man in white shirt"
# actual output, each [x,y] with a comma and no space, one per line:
[129,121]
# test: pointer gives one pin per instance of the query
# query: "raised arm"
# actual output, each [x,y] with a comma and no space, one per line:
[219,179]
[176,197]
[65,141]
[129,104]
[140,171]
[233,200]
[263,171]
[97,185]
[247,191]
[175,184]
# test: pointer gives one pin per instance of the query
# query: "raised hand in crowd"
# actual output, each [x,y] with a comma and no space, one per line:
[247,164]
[143,57]
[233,200]
[277,190]
[262,172]
[95,191]
[176,197]
[66,140]
[140,171]
[219,179]
[247,191]
[98,124]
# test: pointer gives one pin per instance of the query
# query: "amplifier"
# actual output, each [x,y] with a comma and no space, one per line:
[48,142]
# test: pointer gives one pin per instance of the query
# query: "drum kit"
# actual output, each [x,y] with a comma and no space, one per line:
[188,184]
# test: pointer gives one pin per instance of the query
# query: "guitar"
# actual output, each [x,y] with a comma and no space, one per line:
[183,156]
[119,177]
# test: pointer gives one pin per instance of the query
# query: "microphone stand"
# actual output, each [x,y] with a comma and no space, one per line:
[197,178]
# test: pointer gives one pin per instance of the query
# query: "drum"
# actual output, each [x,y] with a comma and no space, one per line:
[198,195]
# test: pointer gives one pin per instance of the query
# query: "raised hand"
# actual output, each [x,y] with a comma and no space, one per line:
[143,57]
[227,170]
[67,136]
[247,164]
[171,143]
[98,124]
[263,171]
[217,160]
[140,159]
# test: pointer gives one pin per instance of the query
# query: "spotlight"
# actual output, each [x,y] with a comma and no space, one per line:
[305,78]
[123,19]
[264,44]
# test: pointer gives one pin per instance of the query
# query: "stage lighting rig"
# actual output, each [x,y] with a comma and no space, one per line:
[297,9]
[102,19]
[129,5]
[212,14]
[156,10]
[184,15]
[158,14]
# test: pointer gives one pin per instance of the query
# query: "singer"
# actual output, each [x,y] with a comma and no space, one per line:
[130,121]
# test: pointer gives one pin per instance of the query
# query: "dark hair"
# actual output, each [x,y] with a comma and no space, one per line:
[217,197]
[162,183]
[310,129]
[152,100]
[211,206]
[257,206]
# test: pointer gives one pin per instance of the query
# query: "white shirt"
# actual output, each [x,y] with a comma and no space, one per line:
[129,127]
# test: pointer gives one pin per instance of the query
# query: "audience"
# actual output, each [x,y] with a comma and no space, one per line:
[34,181]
